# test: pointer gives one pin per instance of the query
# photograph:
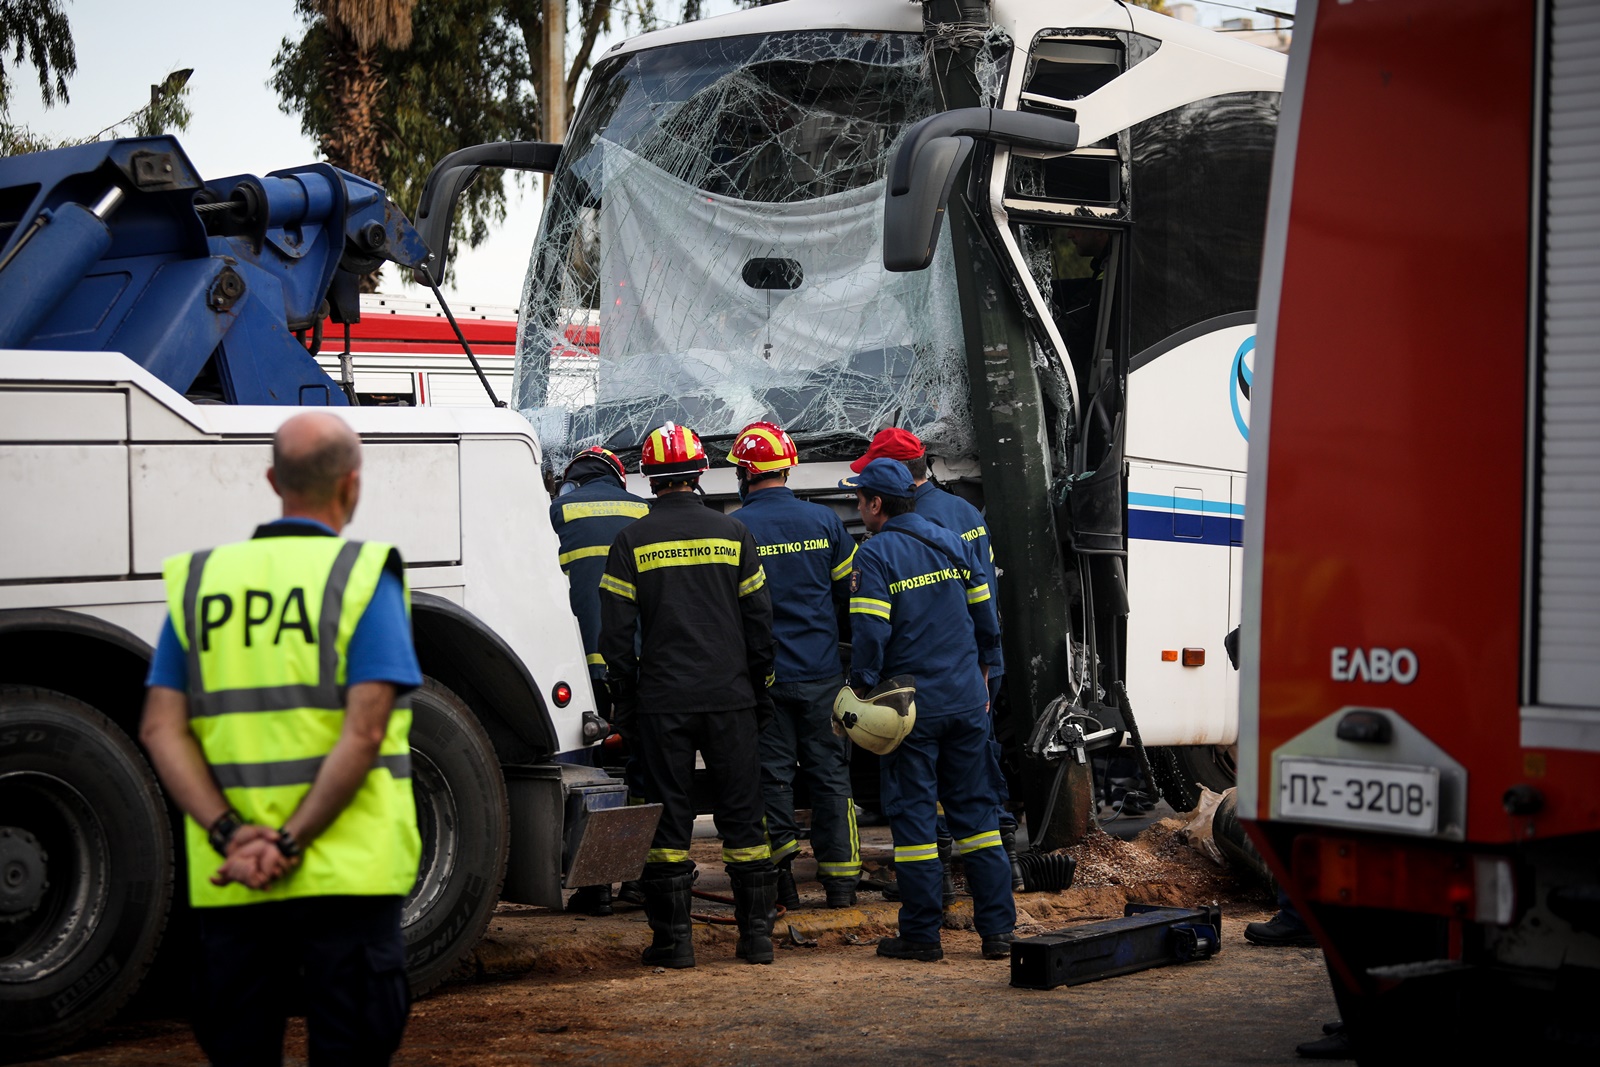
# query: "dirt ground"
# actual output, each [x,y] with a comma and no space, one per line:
[581,997]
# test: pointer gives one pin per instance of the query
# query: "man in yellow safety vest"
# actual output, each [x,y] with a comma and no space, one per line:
[277,719]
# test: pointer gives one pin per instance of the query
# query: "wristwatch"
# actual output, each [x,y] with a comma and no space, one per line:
[222,830]
[288,845]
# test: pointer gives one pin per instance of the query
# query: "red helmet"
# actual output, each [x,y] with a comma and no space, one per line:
[596,454]
[763,448]
[672,450]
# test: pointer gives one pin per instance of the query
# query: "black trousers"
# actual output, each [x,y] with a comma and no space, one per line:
[342,958]
[727,741]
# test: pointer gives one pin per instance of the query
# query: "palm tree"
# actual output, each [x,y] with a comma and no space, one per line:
[359,28]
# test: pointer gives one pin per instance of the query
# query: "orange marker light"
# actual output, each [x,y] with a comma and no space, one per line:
[1194,657]
[1169,655]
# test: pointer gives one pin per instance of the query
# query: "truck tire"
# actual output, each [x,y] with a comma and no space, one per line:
[1182,769]
[465,822]
[86,869]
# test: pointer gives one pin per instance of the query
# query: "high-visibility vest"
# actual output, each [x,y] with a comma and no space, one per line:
[266,625]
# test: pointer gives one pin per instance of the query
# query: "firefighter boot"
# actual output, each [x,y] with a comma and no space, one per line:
[947,848]
[841,892]
[666,908]
[1008,841]
[591,900]
[755,906]
[788,892]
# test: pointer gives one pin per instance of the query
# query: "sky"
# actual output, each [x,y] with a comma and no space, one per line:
[124,47]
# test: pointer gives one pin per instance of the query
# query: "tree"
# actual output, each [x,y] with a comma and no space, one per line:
[37,32]
[357,31]
[40,34]
[470,75]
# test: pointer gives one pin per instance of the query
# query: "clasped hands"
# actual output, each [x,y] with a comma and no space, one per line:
[254,859]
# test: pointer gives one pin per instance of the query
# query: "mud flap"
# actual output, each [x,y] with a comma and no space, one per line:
[606,845]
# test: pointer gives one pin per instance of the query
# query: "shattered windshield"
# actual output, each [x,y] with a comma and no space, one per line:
[711,252]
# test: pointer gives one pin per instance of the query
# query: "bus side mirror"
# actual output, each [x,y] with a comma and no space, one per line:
[449,179]
[924,168]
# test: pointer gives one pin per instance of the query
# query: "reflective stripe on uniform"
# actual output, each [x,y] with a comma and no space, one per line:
[617,587]
[916,853]
[987,839]
[666,855]
[978,594]
[844,568]
[745,855]
[605,509]
[861,605]
[688,553]
[584,553]
[595,659]
[838,870]
[785,849]
[294,771]
[754,582]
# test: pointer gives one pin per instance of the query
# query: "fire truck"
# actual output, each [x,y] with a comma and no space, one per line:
[1420,709]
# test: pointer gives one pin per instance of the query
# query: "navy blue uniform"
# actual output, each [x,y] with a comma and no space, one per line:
[925,611]
[587,520]
[944,508]
[807,556]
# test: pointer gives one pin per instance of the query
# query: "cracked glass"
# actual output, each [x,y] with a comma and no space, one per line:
[711,253]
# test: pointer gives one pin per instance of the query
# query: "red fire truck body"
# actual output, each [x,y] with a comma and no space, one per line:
[1420,691]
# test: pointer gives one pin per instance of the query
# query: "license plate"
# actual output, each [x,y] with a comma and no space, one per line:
[1378,796]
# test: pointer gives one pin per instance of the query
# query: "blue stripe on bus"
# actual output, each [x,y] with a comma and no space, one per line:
[1179,503]
[1187,528]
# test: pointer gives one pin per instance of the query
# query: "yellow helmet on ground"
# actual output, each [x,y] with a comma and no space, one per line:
[879,721]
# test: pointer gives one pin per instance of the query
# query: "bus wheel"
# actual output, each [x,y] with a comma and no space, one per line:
[86,869]
[1183,769]
[465,824]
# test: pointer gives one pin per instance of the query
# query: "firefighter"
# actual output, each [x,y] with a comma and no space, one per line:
[945,509]
[807,555]
[919,607]
[591,507]
[689,581]
[277,719]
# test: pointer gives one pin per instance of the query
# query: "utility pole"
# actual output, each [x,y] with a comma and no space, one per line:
[553,86]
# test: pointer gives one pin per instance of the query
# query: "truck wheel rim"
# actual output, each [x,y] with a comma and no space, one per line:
[69,835]
[438,823]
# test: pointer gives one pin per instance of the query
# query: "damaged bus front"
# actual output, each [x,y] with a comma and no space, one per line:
[1075,353]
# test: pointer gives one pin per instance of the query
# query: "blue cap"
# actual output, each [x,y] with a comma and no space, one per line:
[886,477]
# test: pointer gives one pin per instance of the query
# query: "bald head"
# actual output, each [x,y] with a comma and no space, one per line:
[316,463]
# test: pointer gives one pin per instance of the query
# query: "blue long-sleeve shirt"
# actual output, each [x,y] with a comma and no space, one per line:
[586,521]
[807,555]
[943,508]
[914,611]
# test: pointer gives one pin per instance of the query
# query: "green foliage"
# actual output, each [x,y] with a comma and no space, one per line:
[465,80]
[36,31]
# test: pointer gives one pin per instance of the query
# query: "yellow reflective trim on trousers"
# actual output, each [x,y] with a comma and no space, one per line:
[666,855]
[690,553]
[617,587]
[595,659]
[584,553]
[785,849]
[987,839]
[746,855]
[861,605]
[916,853]
[838,870]
[754,582]
[605,509]
[844,568]
[978,594]
[855,831]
